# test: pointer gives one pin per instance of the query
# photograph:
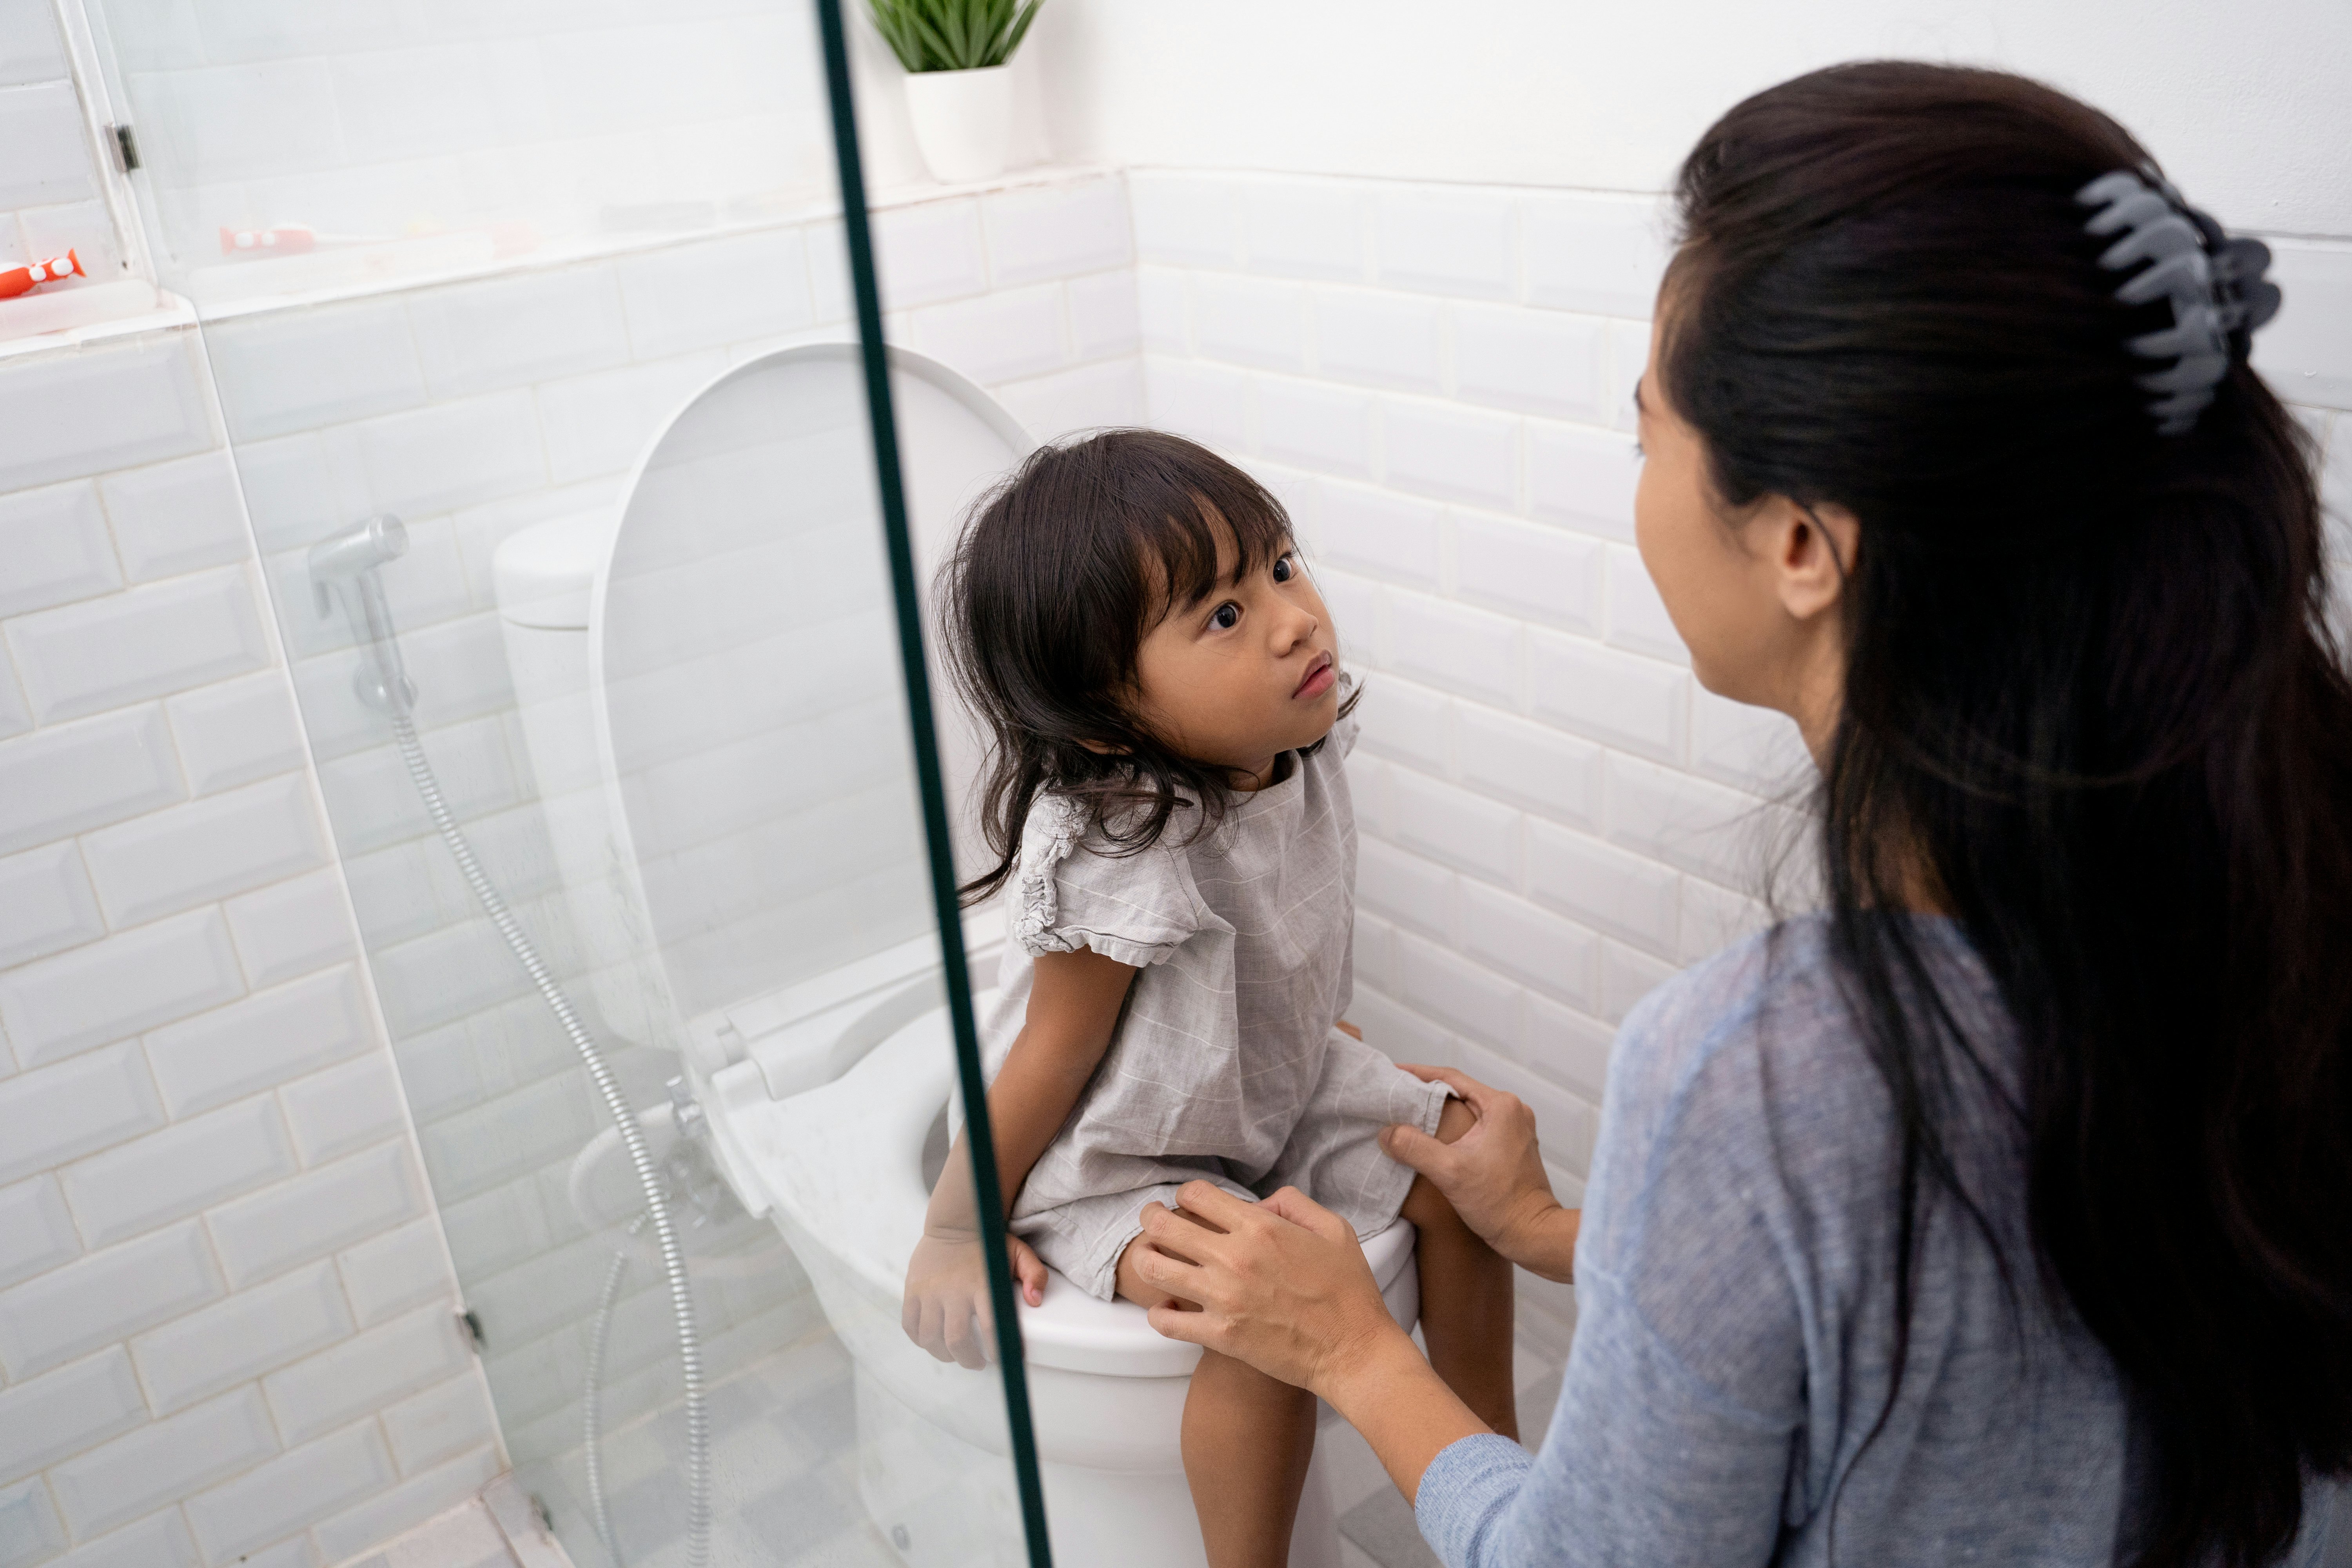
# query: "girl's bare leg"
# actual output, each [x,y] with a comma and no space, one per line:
[1248,1439]
[1466,1297]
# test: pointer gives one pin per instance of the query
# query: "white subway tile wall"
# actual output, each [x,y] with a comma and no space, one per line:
[189,1054]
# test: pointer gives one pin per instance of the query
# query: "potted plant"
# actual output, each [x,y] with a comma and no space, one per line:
[959,85]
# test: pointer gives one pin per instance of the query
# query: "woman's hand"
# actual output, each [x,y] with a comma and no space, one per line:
[946,1307]
[1493,1175]
[1282,1285]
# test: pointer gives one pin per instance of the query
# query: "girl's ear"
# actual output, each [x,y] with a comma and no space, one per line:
[1104,748]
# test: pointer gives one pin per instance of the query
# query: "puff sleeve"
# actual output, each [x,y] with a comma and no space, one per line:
[1073,889]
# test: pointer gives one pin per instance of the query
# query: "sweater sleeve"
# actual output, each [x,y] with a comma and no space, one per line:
[1644,1465]
[1682,1406]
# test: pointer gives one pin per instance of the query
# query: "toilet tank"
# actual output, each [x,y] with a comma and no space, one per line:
[544,576]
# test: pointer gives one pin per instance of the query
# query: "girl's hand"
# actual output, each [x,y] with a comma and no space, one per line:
[946,1307]
[1493,1175]
[1281,1284]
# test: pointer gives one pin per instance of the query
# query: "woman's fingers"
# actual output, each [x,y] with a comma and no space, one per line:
[1177,1276]
[1194,1327]
[1411,1147]
[1282,1284]
[1493,1173]
[1305,1212]
[1477,1096]
[1218,1208]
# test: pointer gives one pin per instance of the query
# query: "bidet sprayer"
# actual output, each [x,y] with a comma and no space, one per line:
[344,567]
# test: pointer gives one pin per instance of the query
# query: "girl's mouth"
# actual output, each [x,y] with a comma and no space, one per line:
[1320,676]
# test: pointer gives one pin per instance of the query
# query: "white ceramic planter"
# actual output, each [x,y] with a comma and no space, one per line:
[963,120]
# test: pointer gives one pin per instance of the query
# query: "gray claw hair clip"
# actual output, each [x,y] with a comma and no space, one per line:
[2215,283]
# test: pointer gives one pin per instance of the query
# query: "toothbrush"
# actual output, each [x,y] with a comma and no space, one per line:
[287,240]
[23,280]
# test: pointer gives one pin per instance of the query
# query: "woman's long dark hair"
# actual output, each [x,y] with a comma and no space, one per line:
[1060,574]
[2092,704]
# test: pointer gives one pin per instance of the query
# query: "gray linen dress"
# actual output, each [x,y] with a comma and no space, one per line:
[1224,1064]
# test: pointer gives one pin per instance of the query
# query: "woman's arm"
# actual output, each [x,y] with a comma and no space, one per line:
[1074,1002]
[1644,1462]
[1494,1176]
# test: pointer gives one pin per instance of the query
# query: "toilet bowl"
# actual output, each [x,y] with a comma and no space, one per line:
[718,743]
[841,1168]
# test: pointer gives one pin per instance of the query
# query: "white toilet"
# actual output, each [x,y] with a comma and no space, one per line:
[710,700]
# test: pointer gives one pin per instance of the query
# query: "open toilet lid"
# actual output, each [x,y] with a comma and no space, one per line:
[743,637]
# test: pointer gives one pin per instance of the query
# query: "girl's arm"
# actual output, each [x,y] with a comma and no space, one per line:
[1074,1004]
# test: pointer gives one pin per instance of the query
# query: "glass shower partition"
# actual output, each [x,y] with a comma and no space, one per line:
[548,343]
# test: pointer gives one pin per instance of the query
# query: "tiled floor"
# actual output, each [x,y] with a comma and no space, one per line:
[499,1529]
[784,1457]
[783,1454]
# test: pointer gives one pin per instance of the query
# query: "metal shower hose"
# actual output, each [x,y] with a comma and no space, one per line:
[689,1345]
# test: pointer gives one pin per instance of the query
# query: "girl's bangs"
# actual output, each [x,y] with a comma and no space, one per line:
[1184,539]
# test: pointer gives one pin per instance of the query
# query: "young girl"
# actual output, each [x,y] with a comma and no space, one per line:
[1170,804]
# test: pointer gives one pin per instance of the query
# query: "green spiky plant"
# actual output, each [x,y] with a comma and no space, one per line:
[952,35]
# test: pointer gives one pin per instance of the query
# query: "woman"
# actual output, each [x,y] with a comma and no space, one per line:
[2002,1212]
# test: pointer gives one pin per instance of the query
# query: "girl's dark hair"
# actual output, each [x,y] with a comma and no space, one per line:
[2092,704]
[1061,572]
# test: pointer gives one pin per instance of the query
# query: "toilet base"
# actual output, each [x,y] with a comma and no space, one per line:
[943,1502]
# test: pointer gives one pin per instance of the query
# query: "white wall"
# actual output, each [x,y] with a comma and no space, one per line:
[2246,105]
[225,1312]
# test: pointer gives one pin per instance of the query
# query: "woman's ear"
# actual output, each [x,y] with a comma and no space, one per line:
[1810,550]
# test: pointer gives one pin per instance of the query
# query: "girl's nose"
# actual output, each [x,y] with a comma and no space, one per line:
[1293,628]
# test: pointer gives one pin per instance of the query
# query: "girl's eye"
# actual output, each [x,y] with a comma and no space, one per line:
[1226,616]
[1284,569]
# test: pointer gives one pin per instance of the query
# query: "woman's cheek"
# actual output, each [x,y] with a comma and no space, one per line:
[1686,568]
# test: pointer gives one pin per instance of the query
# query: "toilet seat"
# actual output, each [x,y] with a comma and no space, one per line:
[842,1161]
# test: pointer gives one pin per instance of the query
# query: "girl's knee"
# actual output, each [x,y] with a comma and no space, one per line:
[1454,1119]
